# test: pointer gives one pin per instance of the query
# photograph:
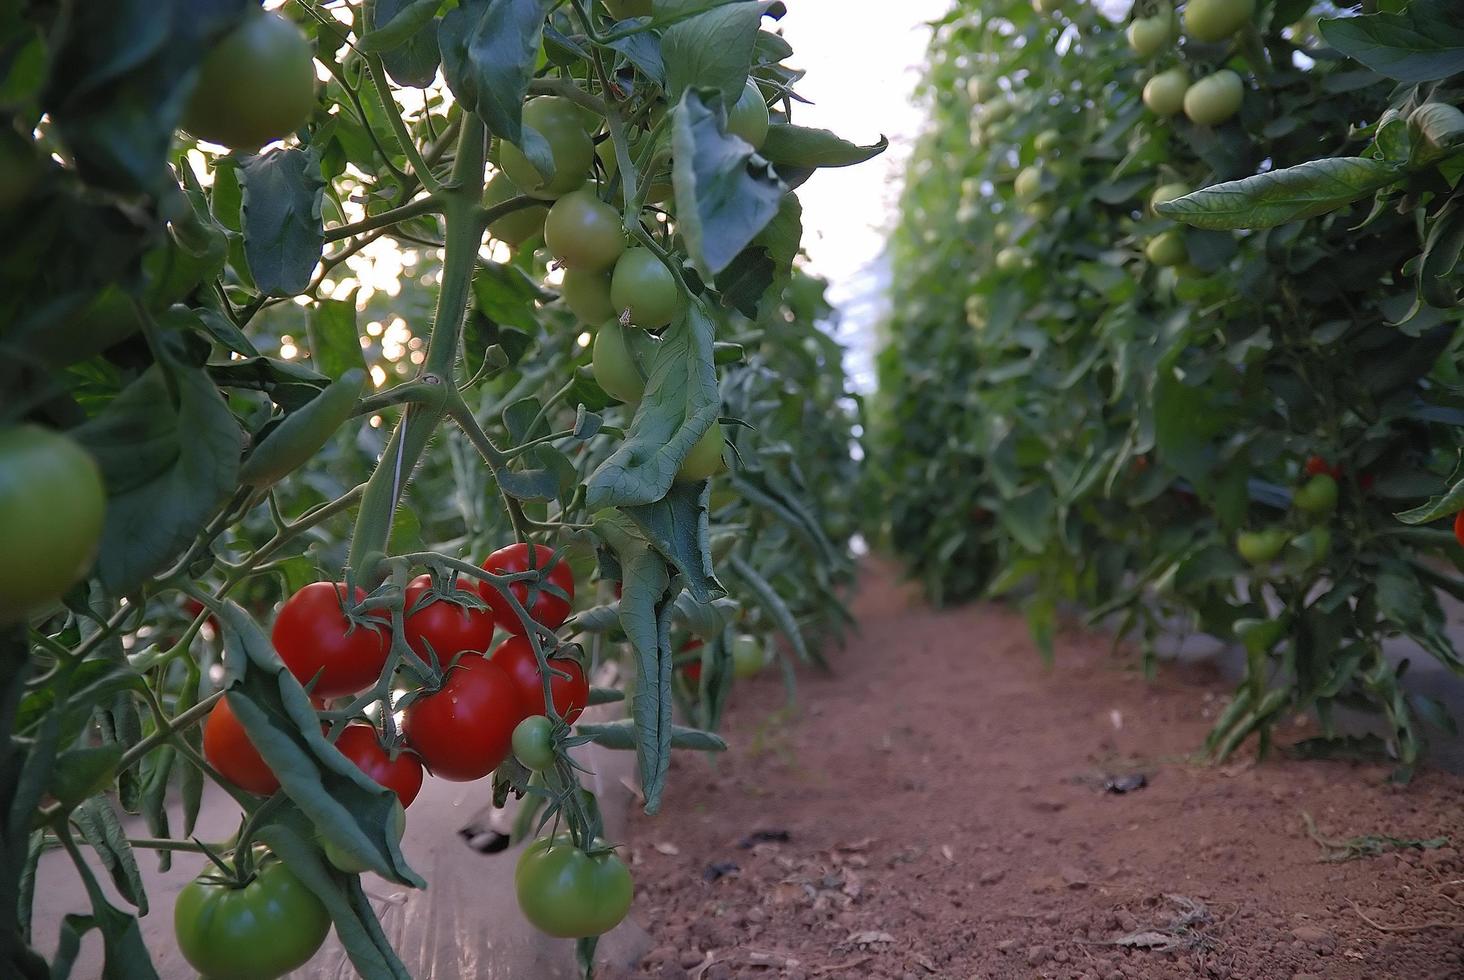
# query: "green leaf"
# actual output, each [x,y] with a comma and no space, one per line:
[725,193]
[82,772]
[1423,43]
[283,229]
[489,48]
[1445,505]
[677,526]
[776,609]
[1275,198]
[125,955]
[395,22]
[302,433]
[1440,257]
[621,735]
[679,406]
[335,346]
[168,464]
[712,50]
[798,150]
[102,829]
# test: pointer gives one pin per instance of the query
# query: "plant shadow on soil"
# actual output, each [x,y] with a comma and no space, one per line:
[943,806]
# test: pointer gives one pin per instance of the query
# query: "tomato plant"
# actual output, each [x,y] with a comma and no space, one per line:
[257,930]
[571,893]
[533,743]
[270,408]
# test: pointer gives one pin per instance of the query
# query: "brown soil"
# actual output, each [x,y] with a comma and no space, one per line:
[945,814]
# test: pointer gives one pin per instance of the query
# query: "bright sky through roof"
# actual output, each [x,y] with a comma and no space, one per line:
[863,60]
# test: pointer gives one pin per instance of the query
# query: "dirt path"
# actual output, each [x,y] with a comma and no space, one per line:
[945,817]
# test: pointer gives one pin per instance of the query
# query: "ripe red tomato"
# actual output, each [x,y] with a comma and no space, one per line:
[1315,466]
[444,626]
[1459,528]
[516,656]
[464,729]
[313,636]
[227,748]
[691,670]
[547,608]
[403,775]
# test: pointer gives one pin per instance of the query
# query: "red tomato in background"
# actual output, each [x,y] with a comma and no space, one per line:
[516,656]
[691,670]
[313,636]
[464,729]
[547,608]
[448,628]
[1459,528]
[1316,466]
[362,745]
[227,748]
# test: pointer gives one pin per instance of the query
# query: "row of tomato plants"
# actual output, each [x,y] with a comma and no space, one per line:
[1175,338]
[486,392]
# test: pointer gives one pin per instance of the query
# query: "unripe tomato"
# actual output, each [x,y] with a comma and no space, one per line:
[749,656]
[643,285]
[1011,259]
[583,232]
[1167,248]
[1164,93]
[1214,98]
[52,508]
[227,748]
[361,744]
[1215,20]
[464,729]
[1260,547]
[444,627]
[1313,546]
[1040,209]
[543,603]
[1047,141]
[748,117]
[587,294]
[519,226]
[980,89]
[561,123]
[1047,6]
[571,694]
[569,894]
[533,743]
[1002,229]
[260,931]
[705,459]
[314,638]
[1146,35]
[1167,192]
[254,86]
[1317,496]
[1028,184]
[621,361]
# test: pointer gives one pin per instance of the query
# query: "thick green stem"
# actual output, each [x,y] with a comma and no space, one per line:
[463,218]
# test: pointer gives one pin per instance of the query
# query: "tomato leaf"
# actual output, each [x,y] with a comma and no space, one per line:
[1422,43]
[712,50]
[797,151]
[488,52]
[335,346]
[1444,505]
[283,229]
[677,526]
[125,955]
[1280,196]
[168,464]
[395,22]
[679,406]
[101,828]
[621,735]
[776,609]
[725,193]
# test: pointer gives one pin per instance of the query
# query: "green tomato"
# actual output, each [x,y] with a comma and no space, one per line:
[587,294]
[518,226]
[1215,20]
[705,459]
[1214,98]
[1260,547]
[1167,249]
[52,505]
[562,124]
[354,866]
[1146,35]
[583,232]
[748,118]
[254,86]
[980,89]
[995,111]
[569,894]
[1312,547]
[1041,209]
[625,9]
[1259,635]
[1167,192]
[749,656]
[1028,185]
[1002,229]
[1047,141]
[1164,93]
[533,743]
[643,285]
[621,360]
[1011,259]
[261,931]
[1047,6]
[1317,496]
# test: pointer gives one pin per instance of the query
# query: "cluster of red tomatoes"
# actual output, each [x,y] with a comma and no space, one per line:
[463,729]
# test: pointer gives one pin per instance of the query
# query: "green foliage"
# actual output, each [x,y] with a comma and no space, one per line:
[1088,427]
[314,363]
